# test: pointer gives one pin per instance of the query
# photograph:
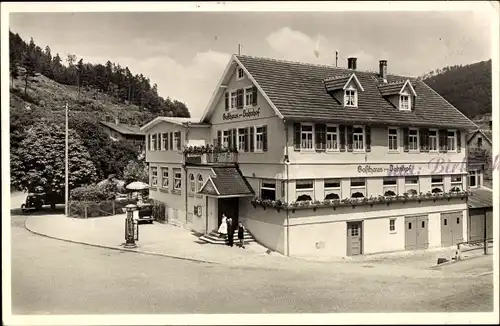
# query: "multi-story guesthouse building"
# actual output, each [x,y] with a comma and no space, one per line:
[317,160]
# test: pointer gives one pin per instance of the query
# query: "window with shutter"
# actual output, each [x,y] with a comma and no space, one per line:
[230,138]
[264,138]
[320,130]
[219,138]
[226,107]
[349,138]
[459,141]
[296,136]
[247,140]
[368,137]
[252,140]
[171,141]
[148,144]
[342,138]
[406,147]
[235,137]
[254,92]
[424,137]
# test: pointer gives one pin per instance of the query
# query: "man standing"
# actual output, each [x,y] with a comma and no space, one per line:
[241,235]
[230,231]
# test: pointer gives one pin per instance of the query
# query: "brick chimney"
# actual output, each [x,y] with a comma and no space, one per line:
[351,63]
[383,70]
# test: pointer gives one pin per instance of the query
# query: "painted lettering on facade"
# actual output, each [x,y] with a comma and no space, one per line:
[244,113]
[391,170]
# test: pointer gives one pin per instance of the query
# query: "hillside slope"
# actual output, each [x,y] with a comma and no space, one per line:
[468,87]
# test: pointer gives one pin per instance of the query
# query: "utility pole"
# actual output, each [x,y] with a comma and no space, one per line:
[239,49]
[66,192]
[336,59]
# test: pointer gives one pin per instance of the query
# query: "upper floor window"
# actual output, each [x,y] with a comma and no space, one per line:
[177,179]
[404,102]
[411,185]
[390,186]
[437,184]
[332,188]
[393,139]
[242,139]
[164,141]
[358,187]
[250,93]
[199,182]
[479,142]
[164,178]
[452,140]
[304,189]
[225,138]
[240,74]
[153,142]
[358,142]
[474,178]
[433,140]
[177,140]
[259,138]
[350,97]
[456,183]
[332,138]
[306,136]
[233,100]
[413,140]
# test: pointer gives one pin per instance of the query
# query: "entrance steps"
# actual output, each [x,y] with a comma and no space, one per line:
[215,238]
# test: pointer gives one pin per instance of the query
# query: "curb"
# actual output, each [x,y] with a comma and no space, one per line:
[151,253]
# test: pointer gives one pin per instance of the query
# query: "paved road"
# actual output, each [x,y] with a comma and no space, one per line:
[55,277]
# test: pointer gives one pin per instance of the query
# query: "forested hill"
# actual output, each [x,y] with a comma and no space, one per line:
[119,83]
[468,87]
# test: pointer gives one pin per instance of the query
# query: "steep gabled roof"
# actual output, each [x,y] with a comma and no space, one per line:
[124,129]
[341,82]
[395,88]
[173,120]
[297,92]
[486,133]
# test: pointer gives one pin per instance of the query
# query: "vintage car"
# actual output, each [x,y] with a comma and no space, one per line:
[144,212]
[36,200]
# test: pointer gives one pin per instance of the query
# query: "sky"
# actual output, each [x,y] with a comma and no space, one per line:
[185,53]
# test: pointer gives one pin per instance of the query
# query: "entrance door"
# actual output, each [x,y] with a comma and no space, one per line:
[229,207]
[476,227]
[410,233]
[451,229]
[422,232]
[354,238]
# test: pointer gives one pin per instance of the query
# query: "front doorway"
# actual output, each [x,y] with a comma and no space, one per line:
[451,229]
[416,232]
[229,207]
[354,238]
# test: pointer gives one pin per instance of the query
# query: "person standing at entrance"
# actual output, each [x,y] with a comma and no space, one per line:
[241,233]
[230,231]
[223,226]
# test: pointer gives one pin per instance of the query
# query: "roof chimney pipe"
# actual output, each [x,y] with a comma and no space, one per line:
[351,63]
[117,120]
[383,70]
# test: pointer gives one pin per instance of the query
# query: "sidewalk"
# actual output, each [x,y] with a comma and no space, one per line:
[170,241]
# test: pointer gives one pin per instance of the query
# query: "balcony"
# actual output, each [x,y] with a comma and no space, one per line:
[209,155]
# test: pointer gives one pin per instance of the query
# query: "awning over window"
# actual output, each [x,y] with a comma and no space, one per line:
[227,182]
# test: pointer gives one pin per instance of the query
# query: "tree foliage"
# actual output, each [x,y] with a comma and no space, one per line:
[468,87]
[135,171]
[111,78]
[39,163]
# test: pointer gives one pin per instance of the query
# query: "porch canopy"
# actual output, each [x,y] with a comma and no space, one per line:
[227,182]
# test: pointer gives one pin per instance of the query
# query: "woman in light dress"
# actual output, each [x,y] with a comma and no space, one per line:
[223,226]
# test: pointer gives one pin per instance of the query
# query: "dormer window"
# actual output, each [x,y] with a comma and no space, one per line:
[240,74]
[351,98]
[404,102]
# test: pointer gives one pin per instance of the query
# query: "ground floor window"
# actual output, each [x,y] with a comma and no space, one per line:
[304,189]
[358,187]
[392,225]
[390,186]
[154,176]
[332,188]
[411,185]
[456,183]
[437,184]
[164,178]
[192,183]
[199,182]
[177,179]
[268,189]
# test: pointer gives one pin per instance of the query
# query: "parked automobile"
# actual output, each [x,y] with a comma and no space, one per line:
[145,212]
[36,200]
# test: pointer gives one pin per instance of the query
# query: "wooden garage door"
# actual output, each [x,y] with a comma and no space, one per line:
[451,228]
[476,226]
[489,224]
[416,232]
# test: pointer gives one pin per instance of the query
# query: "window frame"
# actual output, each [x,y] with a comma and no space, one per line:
[233,99]
[241,144]
[406,96]
[437,184]
[177,140]
[354,189]
[354,97]
[248,91]
[175,172]
[437,140]
[363,141]
[225,138]
[302,132]
[329,133]
[392,225]
[255,134]
[199,182]
[473,173]
[262,187]
[164,141]
[454,138]
[153,142]
[460,183]
[192,183]
[304,191]
[389,129]
[163,179]
[238,70]
[417,137]
[332,190]
[154,176]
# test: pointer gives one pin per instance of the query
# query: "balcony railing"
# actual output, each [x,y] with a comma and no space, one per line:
[209,155]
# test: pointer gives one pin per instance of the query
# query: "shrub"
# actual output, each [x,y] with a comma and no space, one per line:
[93,193]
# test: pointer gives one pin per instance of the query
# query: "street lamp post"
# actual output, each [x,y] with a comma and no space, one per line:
[129,227]
[66,190]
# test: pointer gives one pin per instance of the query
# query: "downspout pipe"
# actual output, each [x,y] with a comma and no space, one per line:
[186,186]
[287,164]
